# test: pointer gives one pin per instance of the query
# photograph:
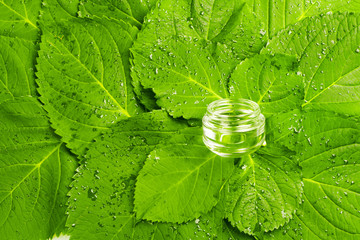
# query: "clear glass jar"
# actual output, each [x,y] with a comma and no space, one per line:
[233,127]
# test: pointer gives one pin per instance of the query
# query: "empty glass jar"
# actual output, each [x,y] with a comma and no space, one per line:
[233,127]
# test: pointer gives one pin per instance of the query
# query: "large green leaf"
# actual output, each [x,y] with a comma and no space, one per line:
[327,212]
[263,192]
[271,81]
[19,19]
[183,75]
[101,204]
[175,56]
[84,78]
[276,15]
[330,153]
[17,76]
[329,51]
[180,181]
[35,171]
[132,11]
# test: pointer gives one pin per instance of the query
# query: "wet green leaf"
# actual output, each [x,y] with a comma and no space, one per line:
[84,78]
[35,171]
[181,180]
[270,81]
[329,51]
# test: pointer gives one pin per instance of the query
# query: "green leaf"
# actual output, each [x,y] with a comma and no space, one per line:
[17,76]
[101,199]
[211,225]
[329,147]
[187,77]
[263,192]
[329,51]
[276,15]
[333,135]
[35,170]
[327,212]
[19,19]
[130,11]
[178,52]
[271,81]
[243,33]
[84,80]
[181,180]
[229,22]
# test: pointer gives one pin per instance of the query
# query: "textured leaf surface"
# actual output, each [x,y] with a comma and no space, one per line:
[330,147]
[329,51]
[272,82]
[84,78]
[19,19]
[17,76]
[57,11]
[35,171]
[283,129]
[101,204]
[228,22]
[277,15]
[130,11]
[181,180]
[211,225]
[263,192]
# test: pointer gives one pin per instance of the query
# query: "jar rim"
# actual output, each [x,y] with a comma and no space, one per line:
[239,103]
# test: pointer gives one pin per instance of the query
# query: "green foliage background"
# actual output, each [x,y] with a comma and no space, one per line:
[100,109]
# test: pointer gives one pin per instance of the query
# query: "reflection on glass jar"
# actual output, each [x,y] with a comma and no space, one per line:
[233,127]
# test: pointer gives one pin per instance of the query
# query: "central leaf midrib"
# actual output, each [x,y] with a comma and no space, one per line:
[36,166]
[332,84]
[24,18]
[189,78]
[313,75]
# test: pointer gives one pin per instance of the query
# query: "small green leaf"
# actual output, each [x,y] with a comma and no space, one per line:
[181,180]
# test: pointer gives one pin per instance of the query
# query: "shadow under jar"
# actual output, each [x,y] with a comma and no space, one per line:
[233,127]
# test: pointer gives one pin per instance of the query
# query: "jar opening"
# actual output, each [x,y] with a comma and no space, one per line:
[242,109]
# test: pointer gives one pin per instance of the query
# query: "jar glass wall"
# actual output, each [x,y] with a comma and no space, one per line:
[233,127]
